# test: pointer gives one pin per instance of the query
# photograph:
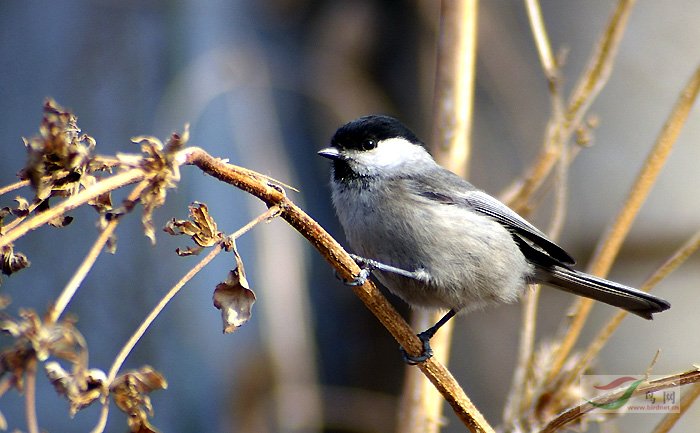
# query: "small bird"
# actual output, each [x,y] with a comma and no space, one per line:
[435,240]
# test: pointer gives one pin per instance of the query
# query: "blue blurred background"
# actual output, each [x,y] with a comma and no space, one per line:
[265,84]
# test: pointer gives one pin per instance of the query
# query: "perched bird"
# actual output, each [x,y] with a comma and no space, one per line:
[435,240]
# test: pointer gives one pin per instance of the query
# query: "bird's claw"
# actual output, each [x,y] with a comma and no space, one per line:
[425,355]
[360,279]
[366,268]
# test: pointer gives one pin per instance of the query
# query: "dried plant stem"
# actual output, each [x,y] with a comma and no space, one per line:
[131,343]
[667,423]
[105,161]
[102,420]
[601,63]
[71,287]
[5,384]
[421,406]
[30,396]
[454,84]
[613,237]
[272,212]
[587,89]
[517,396]
[544,48]
[109,184]
[521,391]
[141,330]
[13,186]
[692,376]
[12,224]
[347,269]
[561,188]
[594,348]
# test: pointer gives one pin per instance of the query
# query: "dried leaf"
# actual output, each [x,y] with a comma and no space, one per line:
[59,155]
[201,227]
[189,251]
[10,261]
[130,392]
[159,163]
[22,208]
[3,213]
[20,211]
[35,339]
[14,361]
[81,388]
[38,340]
[59,220]
[234,297]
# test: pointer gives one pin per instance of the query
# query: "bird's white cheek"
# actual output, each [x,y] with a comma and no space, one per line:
[390,153]
[377,161]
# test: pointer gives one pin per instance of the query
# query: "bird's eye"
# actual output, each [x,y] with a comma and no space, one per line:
[369,144]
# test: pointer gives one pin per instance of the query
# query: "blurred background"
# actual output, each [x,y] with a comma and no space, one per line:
[265,84]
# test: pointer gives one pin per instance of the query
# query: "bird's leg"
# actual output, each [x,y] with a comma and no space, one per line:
[425,337]
[369,265]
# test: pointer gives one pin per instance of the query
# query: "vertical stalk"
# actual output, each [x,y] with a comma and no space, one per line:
[421,405]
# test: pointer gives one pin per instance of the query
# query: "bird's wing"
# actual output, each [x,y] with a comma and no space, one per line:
[441,188]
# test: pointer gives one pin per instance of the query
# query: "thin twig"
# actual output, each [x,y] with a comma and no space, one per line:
[5,384]
[272,212]
[561,193]
[600,66]
[99,188]
[71,287]
[570,415]
[539,32]
[518,394]
[594,348]
[13,186]
[141,330]
[347,269]
[521,393]
[613,237]
[587,89]
[30,396]
[12,224]
[136,336]
[687,399]
[131,343]
[102,420]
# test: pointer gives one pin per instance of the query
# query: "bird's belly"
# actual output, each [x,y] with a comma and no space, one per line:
[463,261]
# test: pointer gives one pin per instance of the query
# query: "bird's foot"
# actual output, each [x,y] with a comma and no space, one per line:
[366,268]
[426,354]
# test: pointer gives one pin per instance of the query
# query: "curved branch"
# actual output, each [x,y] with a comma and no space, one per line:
[273,195]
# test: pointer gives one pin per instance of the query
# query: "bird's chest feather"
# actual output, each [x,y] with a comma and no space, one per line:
[368,217]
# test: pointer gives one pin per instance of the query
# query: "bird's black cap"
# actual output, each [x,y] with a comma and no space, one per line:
[372,127]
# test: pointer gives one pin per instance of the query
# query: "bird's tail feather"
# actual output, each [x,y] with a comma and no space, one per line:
[635,301]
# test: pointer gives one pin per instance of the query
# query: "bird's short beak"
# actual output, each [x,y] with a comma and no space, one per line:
[330,153]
